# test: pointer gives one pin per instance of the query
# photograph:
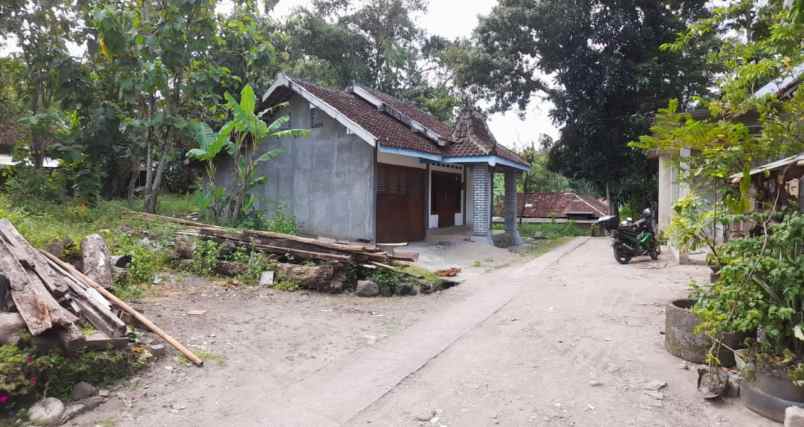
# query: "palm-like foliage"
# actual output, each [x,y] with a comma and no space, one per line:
[241,137]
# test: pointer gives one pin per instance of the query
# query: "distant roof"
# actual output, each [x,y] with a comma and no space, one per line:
[794,166]
[782,84]
[561,205]
[379,118]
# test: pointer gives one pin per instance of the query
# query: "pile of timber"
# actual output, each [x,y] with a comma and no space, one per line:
[284,244]
[50,298]
[54,299]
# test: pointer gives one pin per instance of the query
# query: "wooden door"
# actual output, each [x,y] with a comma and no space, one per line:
[400,204]
[445,198]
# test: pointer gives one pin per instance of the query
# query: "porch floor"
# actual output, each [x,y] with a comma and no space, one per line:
[456,247]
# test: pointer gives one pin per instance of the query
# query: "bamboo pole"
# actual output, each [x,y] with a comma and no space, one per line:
[128,309]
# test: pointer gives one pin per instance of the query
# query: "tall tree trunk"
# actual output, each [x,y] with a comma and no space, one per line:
[132,180]
[152,191]
[612,203]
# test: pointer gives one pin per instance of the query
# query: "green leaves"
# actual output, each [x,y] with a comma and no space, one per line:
[242,137]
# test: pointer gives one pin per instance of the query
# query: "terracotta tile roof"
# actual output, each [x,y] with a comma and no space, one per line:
[471,137]
[560,205]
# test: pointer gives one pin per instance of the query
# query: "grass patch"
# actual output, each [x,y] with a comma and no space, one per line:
[43,222]
[206,356]
[548,231]
[421,273]
[541,247]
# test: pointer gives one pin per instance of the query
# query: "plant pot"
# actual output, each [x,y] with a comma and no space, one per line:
[681,340]
[770,393]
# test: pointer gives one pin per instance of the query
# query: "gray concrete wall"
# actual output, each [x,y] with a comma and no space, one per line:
[326,181]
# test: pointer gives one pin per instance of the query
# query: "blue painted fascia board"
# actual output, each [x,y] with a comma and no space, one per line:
[490,160]
[412,153]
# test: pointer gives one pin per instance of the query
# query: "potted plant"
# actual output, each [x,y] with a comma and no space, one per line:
[761,287]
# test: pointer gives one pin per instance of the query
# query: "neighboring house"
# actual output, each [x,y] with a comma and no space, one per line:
[378,169]
[9,134]
[564,206]
[671,189]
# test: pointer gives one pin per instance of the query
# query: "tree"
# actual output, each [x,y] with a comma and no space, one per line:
[241,137]
[161,54]
[42,30]
[376,43]
[722,139]
[607,71]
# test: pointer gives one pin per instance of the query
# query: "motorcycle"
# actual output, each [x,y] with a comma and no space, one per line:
[632,238]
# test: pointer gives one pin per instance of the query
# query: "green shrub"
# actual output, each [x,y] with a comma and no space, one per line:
[26,375]
[205,257]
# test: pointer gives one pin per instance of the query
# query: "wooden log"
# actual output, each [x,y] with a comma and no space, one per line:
[265,234]
[96,259]
[280,250]
[128,309]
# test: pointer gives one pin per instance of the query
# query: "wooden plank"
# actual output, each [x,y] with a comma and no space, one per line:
[31,259]
[32,299]
[128,309]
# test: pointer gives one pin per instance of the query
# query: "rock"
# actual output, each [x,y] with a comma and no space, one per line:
[83,390]
[157,349]
[425,416]
[311,277]
[60,248]
[11,325]
[230,268]
[595,383]
[407,289]
[267,279]
[96,260]
[733,386]
[426,288]
[794,417]
[684,365]
[77,408]
[338,282]
[367,288]
[654,385]
[46,412]
[386,291]
[184,247]
[122,261]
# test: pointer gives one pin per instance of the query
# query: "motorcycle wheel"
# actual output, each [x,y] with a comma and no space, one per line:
[654,254]
[621,256]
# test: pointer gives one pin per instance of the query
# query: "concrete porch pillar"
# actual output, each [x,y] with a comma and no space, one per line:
[480,186]
[510,208]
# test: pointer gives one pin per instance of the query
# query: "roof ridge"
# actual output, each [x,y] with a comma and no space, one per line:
[587,203]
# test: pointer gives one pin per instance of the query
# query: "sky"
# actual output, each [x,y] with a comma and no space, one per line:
[451,19]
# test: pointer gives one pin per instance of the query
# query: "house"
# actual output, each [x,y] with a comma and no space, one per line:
[378,169]
[788,174]
[561,207]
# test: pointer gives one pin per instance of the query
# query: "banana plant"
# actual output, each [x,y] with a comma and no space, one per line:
[241,138]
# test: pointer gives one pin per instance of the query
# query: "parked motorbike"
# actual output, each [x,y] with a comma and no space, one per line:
[631,238]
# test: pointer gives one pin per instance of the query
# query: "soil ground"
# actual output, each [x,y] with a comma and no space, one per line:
[568,339]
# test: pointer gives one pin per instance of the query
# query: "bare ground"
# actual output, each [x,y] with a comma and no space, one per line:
[537,360]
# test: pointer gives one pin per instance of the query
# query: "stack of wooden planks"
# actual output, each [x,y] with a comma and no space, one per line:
[53,298]
[50,298]
[285,244]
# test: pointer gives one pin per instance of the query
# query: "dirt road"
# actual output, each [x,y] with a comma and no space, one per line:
[569,339]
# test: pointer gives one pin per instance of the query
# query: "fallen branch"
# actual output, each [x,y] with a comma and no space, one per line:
[127,308]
